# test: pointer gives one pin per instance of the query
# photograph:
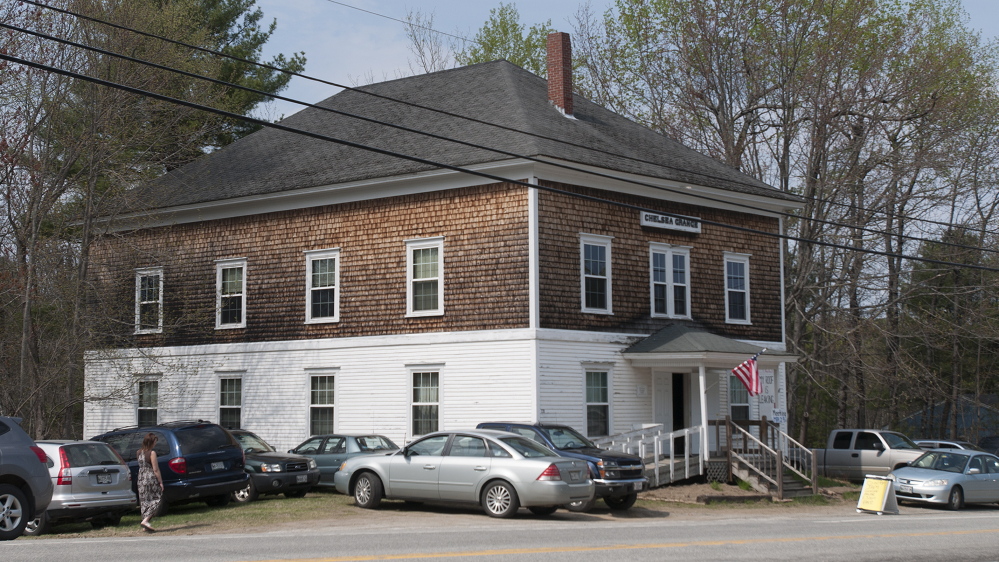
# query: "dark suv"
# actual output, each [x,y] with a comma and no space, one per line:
[199,460]
[272,472]
[25,486]
[618,476]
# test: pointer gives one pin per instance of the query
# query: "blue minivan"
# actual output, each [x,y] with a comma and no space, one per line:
[199,460]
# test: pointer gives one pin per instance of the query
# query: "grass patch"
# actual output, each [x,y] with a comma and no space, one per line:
[716,486]
[743,485]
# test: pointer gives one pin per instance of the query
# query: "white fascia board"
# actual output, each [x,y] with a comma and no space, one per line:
[376,188]
[672,190]
[706,358]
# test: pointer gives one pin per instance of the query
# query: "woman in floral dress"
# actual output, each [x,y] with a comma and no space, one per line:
[150,481]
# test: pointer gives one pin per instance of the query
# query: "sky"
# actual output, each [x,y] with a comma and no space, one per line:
[354,46]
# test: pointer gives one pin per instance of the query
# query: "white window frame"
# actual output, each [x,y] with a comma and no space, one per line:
[735,386]
[221,265]
[607,370]
[239,407]
[411,247]
[139,275]
[139,407]
[313,256]
[605,242]
[744,260]
[437,369]
[669,251]
[312,375]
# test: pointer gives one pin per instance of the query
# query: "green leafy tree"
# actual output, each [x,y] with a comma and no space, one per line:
[502,36]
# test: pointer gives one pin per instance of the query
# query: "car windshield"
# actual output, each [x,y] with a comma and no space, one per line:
[898,441]
[568,438]
[252,444]
[946,461]
[375,443]
[528,447]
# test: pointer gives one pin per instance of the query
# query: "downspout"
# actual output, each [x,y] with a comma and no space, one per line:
[532,292]
[702,381]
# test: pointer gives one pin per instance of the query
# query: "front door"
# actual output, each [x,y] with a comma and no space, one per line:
[670,406]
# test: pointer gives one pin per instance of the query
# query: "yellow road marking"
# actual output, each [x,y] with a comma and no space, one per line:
[550,550]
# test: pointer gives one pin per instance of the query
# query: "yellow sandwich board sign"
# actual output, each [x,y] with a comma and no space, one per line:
[877,496]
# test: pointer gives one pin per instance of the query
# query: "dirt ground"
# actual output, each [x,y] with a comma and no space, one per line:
[703,493]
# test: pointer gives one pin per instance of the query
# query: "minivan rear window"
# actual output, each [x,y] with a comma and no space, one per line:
[203,439]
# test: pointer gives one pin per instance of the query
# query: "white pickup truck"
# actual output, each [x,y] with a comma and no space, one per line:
[850,454]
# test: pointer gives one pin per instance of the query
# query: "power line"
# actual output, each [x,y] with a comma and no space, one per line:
[482,147]
[475,120]
[278,126]
[465,39]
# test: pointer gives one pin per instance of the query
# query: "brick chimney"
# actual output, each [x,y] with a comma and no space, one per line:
[560,71]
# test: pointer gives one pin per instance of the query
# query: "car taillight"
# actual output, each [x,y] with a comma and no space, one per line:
[65,477]
[178,465]
[40,454]
[550,473]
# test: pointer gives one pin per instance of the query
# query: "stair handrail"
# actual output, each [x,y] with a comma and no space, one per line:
[766,453]
[797,457]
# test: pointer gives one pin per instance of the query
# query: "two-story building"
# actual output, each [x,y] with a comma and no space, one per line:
[601,275]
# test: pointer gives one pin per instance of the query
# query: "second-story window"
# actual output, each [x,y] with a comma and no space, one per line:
[230,298]
[322,286]
[595,273]
[670,281]
[737,288]
[425,277]
[149,300]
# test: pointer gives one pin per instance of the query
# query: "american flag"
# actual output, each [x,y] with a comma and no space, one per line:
[749,374]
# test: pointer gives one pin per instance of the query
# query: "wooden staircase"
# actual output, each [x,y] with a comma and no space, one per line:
[771,462]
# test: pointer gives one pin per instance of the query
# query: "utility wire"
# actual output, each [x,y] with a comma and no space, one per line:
[482,147]
[450,114]
[465,39]
[280,127]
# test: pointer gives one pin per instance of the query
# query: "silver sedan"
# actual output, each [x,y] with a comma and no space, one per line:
[949,477]
[498,470]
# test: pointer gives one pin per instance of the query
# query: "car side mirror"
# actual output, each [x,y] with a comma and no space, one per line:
[974,471]
[879,447]
[293,451]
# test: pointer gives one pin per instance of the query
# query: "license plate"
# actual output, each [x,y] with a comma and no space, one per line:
[302,478]
[103,478]
[637,487]
[575,475]
[904,488]
[218,465]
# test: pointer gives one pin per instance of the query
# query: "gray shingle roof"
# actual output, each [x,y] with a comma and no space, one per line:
[271,161]
[690,338]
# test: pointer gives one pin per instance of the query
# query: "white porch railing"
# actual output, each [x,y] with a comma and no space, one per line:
[659,451]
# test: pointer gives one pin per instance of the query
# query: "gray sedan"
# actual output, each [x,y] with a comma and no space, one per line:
[949,477]
[498,470]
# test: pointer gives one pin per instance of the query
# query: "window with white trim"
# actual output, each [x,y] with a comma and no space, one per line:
[737,288]
[426,402]
[670,281]
[322,279]
[597,404]
[149,300]
[230,402]
[425,277]
[738,399]
[321,404]
[230,293]
[595,273]
[148,403]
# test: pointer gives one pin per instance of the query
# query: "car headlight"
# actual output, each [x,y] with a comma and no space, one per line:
[312,464]
[270,468]
[937,482]
[891,476]
[608,469]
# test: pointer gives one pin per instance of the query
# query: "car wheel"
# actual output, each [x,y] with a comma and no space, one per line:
[368,491]
[620,503]
[956,500]
[297,493]
[581,506]
[13,519]
[246,494]
[546,510]
[499,499]
[37,526]
[218,501]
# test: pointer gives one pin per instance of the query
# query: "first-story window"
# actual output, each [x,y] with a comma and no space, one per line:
[425,277]
[426,402]
[737,288]
[595,273]
[321,402]
[597,404]
[148,403]
[230,402]
[230,295]
[738,399]
[669,268]
[149,300]
[322,286]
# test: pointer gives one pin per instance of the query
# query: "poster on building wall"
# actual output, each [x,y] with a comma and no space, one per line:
[768,398]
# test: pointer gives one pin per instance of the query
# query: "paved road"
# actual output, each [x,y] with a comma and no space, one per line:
[916,534]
